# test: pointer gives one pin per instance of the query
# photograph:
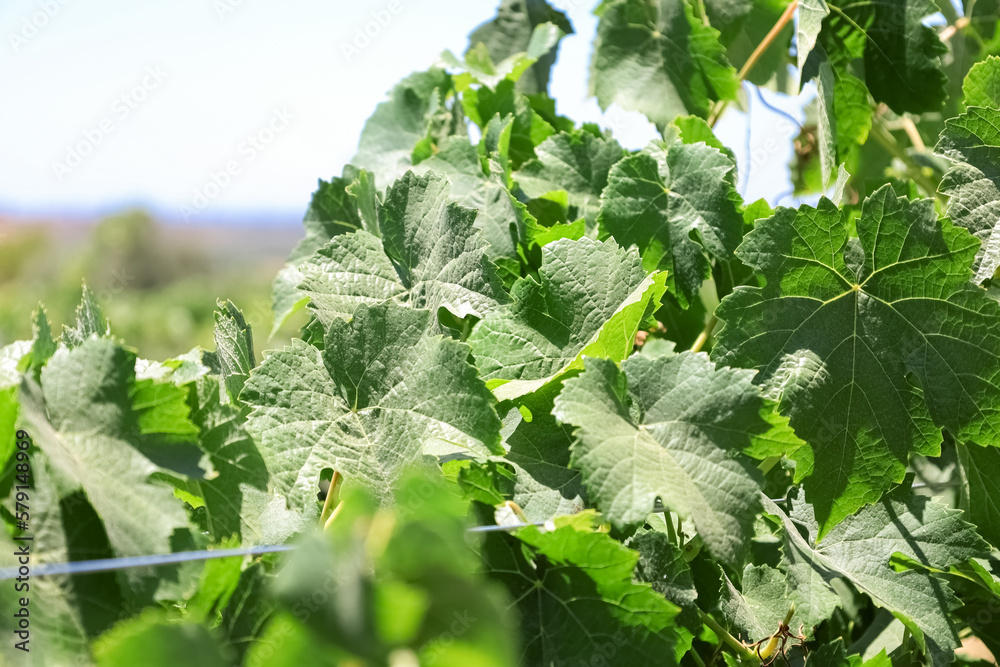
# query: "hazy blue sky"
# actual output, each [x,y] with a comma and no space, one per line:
[165,94]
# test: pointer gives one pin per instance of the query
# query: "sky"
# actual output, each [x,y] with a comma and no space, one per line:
[112,104]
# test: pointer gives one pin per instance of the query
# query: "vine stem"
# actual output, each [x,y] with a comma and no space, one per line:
[702,338]
[742,651]
[960,24]
[765,43]
[330,501]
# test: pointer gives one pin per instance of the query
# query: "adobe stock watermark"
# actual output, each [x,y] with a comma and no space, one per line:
[363,35]
[121,109]
[225,7]
[219,181]
[34,23]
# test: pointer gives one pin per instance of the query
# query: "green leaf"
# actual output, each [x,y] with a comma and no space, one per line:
[510,32]
[285,642]
[83,421]
[860,549]
[872,344]
[479,66]
[583,580]
[663,565]
[902,56]
[833,654]
[577,162]
[382,392]
[502,219]
[845,116]
[658,199]
[235,497]
[42,345]
[590,298]
[90,321]
[767,594]
[827,125]
[529,128]
[161,407]
[658,58]
[9,410]
[981,87]
[336,208]
[430,256]
[671,428]
[982,470]
[371,593]
[810,22]
[972,141]
[154,641]
[248,608]
[63,611]
[234,347]
[11,366]
[538,448]
[692,129]
[402,123]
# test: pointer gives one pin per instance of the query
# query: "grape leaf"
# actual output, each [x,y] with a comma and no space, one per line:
[982,470]
[660,59]
[83,420]
[981,87]
[538,449]
[591,298]
[577,162]
[430,256]
[90,321]
[859,550]
[392,138]
[234,347]
[664,566]
[529,127]
[845,115]
[480,66]
[972,141]
[430,600]
[11,357]
[152,640]
[510,33]
[57,633]
[810,23]
[902,56]
[335,209]
[42,345]
[834,654]
[872,344]
[756,611]
[657,199]
[502,219]
[235,497]
[671,428]
[381,392]
[576,598]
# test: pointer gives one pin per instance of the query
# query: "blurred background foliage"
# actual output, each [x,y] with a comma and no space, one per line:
[157,283]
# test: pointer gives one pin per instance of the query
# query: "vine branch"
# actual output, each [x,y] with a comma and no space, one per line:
[702,338]
[765,43]
[742,651]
